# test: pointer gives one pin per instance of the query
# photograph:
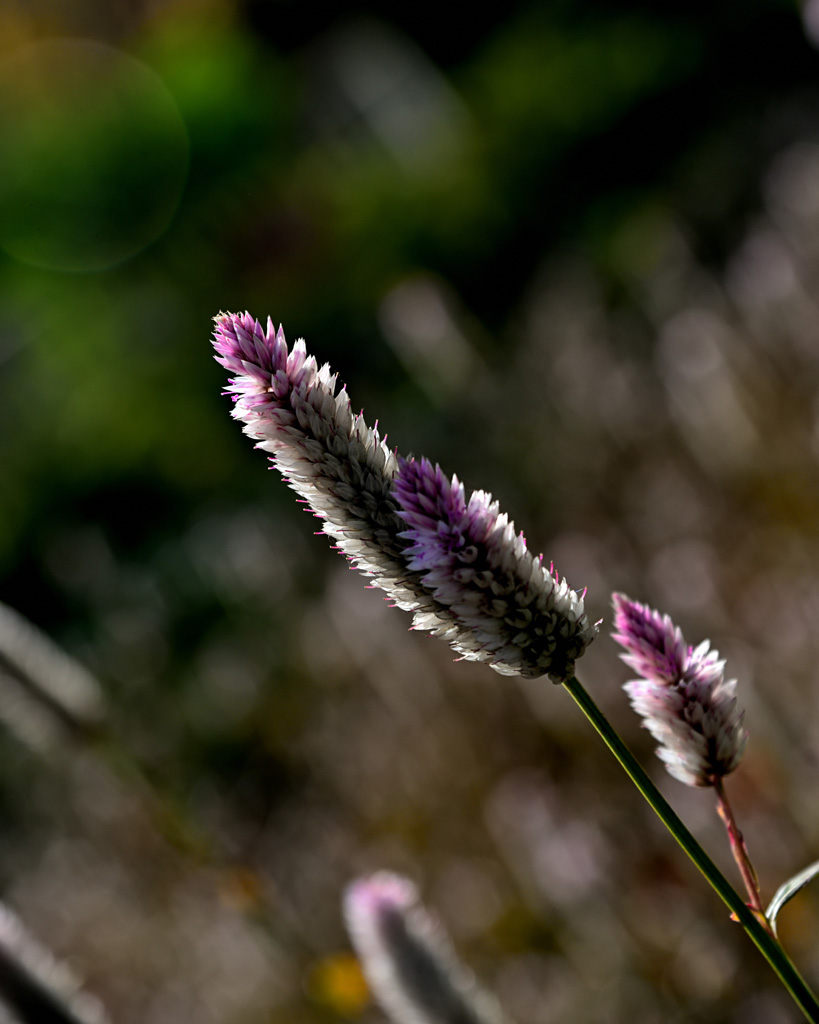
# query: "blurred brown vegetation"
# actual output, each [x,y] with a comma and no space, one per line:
[572,255]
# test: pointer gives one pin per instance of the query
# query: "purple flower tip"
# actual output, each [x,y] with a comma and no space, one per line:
[654,645]
[370,898]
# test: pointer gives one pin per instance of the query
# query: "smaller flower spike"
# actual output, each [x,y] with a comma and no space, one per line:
[514,612]
[407,958]
[682,695]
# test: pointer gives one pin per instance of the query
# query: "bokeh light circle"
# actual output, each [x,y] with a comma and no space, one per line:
[93,158]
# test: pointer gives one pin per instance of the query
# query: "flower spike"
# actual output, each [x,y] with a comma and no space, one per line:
[682,695]
[457,566]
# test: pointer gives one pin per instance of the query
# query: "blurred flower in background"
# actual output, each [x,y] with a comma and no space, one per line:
[407,958]
[599,224]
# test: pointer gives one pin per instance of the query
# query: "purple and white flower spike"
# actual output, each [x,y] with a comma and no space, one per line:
[407,958]
[682,695]
[458,567]
[514,612]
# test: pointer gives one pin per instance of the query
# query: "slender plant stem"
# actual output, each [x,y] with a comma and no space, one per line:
[740,852]
[761,937]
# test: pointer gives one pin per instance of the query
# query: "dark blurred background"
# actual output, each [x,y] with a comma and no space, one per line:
[571,252]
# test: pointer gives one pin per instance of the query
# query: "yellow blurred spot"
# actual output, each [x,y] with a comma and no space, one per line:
[337,982]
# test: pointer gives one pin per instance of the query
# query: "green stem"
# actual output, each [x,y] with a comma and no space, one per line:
[768,946]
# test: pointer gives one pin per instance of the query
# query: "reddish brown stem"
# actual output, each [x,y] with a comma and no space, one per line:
[740,852]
